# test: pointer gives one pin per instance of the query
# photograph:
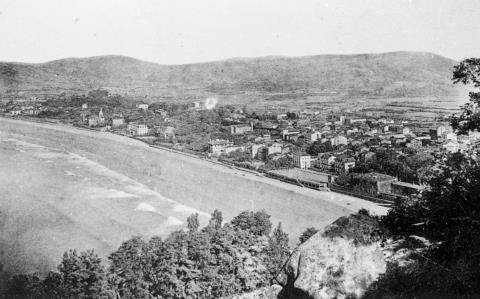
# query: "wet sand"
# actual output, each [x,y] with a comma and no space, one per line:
[63,187]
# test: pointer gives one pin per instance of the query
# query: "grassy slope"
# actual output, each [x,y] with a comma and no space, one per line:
[387,74]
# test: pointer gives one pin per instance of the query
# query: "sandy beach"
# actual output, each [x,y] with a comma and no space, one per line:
[64,187]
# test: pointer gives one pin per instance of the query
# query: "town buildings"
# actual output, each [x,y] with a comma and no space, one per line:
[340,140]
[313,136]
[96,120]
[344,163]
[142,106]
[240,129]
[302,160]
[218,146]
[118,121]
[326,162]
[136,129]
[275,148]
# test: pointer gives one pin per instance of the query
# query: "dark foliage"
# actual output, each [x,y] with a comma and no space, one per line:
[447,215]
[192,222]
[318,147]
[216,261]
[362,228]
[411,168]
[307,234]
[468,72]
[258,223]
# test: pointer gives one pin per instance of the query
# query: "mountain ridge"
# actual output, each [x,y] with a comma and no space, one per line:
[389,74]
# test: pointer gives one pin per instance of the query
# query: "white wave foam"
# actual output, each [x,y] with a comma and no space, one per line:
[133,188]
[145,207]
[173,221]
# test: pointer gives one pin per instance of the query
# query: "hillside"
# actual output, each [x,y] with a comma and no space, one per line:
[393,74]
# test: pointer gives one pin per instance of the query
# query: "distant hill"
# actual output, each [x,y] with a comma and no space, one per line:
[393,74]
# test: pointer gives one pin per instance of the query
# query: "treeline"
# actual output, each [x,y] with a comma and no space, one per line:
[215,261]
[414,167]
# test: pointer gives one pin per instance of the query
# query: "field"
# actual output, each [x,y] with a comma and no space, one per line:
[66,188]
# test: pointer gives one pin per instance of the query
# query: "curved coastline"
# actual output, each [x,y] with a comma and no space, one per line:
[75,188]
[353,204]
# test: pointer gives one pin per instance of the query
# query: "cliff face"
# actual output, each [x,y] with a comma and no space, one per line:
[341,262]
[324,267]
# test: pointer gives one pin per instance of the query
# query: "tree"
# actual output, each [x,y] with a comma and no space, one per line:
[52,285]
[24,286]
[278,249]
[257,223]
[193,223]
[214,262]
[216,220]
[83,275]
[318,147]
[307,234]
[130,266]
[468,72]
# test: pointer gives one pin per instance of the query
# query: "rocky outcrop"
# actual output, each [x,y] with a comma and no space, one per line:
[326,267]
[341,262]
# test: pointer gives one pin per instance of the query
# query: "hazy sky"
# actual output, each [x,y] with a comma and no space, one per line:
[173,32]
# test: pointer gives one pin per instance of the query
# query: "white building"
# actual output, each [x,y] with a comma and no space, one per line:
[218,146]
[254,149]
[302,160]
[96,120]
[240,129]
[142,106]
[118,121]
[344,164]
[451,136]
[137,129]
[314,136]
[275,148]
[451,147]
[338,140]
[233,148]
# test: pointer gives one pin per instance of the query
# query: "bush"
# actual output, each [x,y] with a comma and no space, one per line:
[307,234]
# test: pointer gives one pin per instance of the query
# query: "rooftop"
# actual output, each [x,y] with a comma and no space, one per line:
[374,176]
[219,141]
[409,185]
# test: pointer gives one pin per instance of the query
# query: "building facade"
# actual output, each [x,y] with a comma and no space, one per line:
[218,146]
[302,160]
[240,129]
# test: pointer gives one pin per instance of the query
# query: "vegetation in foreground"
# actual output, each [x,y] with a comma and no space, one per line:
[215,261]
[442,227]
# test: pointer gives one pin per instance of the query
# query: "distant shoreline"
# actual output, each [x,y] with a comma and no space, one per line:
[345,201]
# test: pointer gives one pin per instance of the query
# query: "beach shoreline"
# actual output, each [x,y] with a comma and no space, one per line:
[353,203]
[63,187]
